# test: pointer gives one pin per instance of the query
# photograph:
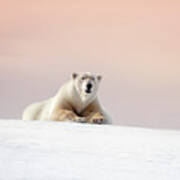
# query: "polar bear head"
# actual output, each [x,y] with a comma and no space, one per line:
[86,84]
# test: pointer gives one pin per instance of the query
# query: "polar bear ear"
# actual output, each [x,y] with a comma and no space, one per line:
[74,75]
[99,77]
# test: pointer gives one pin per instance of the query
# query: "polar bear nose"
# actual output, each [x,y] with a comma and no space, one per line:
[89,85]
[88,88]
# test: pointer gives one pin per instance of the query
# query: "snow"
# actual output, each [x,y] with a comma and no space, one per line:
[70,151]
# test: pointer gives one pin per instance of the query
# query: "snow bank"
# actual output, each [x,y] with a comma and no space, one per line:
[69,151]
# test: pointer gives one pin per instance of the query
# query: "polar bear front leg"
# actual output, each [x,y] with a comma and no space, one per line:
[65,115]
[96,118]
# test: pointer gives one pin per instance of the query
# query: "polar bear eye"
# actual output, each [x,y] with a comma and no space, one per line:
[83,78]
[92,78]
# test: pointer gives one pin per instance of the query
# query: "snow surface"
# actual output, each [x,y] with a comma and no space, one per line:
[70,151]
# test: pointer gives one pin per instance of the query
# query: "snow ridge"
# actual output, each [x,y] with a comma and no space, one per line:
[70,151]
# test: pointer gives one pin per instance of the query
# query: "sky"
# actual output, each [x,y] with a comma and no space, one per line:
[135,45]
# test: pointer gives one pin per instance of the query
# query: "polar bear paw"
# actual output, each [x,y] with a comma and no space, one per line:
[81,120]
[99,120]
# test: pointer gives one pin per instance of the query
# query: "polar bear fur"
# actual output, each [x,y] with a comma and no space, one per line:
[75,101]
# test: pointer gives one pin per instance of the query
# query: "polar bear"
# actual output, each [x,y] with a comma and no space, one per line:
[76,101]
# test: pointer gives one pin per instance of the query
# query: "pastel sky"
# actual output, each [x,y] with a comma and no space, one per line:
[134,44]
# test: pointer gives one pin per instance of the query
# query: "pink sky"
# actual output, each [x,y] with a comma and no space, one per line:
[135,45]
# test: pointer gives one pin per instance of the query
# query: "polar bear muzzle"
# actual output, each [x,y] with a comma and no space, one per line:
[89,88]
